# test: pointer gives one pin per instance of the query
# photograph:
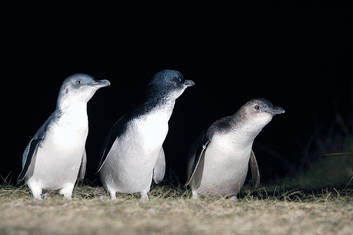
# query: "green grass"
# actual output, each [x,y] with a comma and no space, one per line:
[325,172]
[268,210]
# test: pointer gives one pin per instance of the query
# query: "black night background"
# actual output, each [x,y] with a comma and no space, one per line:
[301,60]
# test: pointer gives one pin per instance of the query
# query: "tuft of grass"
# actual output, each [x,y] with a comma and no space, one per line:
[328,158]
[272,210]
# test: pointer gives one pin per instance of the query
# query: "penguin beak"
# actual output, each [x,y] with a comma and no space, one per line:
[101,83]
[276,110]
[189,83]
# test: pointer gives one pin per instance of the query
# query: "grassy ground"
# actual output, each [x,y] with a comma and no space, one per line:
[270,210]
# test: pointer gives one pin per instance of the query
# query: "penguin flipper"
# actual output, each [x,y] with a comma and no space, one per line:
[27,157]
[32,147]
[197,160]
[115,132]
[82,172]
[159,168]
[255,173]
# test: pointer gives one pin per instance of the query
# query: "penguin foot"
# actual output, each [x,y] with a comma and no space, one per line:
[35,189]
[111,192]
[112,195]
[195,195]
[67,191]
[144,196]
[37,196]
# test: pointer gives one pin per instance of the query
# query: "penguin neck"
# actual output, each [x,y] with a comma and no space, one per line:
[244,131]
[159,103]
[72,107]
[245,134]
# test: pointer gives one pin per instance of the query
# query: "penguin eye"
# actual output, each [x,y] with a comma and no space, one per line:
[177,81]
[257,107]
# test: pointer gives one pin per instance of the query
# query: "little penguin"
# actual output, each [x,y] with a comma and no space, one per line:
[218,161]
[56,154]
[133,153]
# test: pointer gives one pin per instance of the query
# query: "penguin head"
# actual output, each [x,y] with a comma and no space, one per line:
[170,83]
[79,88]
[259,112]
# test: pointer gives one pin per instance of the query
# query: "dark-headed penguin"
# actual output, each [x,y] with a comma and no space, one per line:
[133,152]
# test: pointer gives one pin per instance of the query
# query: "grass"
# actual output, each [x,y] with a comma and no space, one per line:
[325,172]
[306,203]
[268,210]
[327,159]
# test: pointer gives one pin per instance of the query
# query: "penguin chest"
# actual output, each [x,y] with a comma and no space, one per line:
[68,138]
[130,162]
[69,134]
[59,156]
[225,166]
[151,132]
[143,142]
[70,130]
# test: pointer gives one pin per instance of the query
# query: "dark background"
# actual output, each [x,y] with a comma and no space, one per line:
[299,58]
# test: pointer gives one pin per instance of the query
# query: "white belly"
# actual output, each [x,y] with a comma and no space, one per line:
[130,162]
[59,156]
[225,167]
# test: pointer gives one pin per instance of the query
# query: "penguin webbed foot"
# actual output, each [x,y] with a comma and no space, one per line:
[112,195]
[36,189]
[195,195]
[37,197]
[67,191]
[144,196]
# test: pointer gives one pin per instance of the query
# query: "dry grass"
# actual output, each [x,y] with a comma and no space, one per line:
[170,211]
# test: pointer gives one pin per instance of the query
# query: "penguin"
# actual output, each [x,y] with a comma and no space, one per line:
[219,159]
[56,156]
[133,154]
